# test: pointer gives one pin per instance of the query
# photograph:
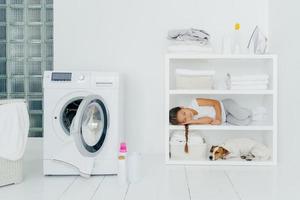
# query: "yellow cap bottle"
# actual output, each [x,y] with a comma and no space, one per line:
[237,26]
[236,46]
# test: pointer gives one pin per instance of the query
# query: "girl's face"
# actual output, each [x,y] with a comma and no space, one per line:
[184,115]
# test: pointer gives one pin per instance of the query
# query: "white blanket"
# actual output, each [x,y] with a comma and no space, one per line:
[14,128]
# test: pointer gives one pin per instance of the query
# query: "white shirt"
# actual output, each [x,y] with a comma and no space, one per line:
[207,111]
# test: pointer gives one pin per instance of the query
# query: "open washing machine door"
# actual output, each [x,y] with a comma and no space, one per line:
[88,129]
[89,126]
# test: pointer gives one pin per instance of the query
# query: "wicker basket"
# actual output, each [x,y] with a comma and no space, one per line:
[11,172]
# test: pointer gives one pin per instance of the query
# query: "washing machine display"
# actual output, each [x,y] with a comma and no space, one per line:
[61,76]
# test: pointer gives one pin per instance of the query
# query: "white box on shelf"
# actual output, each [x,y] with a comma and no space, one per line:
[194,79]
[197,147]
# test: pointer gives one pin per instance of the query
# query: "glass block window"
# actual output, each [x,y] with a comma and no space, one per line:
[26,51]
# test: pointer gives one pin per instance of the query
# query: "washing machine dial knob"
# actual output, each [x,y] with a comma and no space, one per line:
[81,77]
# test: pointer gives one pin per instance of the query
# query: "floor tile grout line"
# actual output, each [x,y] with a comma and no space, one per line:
[125,196]
[98,186]
[187,182]
[233,187]
[67,188]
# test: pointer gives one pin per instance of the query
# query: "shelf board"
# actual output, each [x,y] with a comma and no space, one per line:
[183,92]
[224,127]
[220,163]
[218,56]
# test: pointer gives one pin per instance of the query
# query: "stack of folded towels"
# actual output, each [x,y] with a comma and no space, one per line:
[189,40]
[248,82]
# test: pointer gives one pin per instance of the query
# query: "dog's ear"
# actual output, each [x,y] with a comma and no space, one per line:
[226,152]
[212,149]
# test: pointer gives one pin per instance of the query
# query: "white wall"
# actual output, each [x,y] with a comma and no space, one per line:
[129,36]
[285,41]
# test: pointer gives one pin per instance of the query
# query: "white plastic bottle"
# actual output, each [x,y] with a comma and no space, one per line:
[236,40]
[122,158]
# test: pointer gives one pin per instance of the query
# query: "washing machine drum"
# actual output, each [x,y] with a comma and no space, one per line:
[89,126]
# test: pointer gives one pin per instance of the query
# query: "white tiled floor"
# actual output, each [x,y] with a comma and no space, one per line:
[160,182]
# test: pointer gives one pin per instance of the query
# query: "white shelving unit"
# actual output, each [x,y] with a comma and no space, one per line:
[265,131]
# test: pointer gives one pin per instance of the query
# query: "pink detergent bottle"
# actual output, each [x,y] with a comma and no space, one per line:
[122,158]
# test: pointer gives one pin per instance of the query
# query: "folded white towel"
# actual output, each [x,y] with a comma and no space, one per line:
[187,72]
[190,48]
[258,77]
[248,87]
[249,82]
[14,125]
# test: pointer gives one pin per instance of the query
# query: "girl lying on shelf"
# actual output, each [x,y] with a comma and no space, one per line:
[210,111]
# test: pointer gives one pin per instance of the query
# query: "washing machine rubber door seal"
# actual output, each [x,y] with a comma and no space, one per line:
[91,104]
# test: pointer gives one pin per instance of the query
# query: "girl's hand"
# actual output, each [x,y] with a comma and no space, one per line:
[189,122]
[200,121]
[215,122]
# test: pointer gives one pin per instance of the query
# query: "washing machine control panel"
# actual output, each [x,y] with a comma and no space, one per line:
[61,76]
[80,79]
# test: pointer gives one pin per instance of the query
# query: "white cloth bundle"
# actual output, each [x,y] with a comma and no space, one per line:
[14,126]
[189,46]
[248,82]
[257,77]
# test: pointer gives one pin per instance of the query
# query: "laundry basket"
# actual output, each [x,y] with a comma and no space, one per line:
[11,171]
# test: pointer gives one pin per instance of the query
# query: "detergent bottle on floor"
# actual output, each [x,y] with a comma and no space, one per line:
[122,159]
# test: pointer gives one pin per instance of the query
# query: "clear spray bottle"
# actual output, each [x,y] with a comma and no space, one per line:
[236,41]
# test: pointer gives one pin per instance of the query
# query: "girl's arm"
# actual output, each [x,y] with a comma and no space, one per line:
[212,102]
[202,120]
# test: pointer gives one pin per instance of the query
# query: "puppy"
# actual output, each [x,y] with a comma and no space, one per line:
[243,148]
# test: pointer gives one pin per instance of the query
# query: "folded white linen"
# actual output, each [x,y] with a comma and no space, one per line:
[248,87]
[258,77]
[188,72]
[190,48]
[14,126]
[249,82]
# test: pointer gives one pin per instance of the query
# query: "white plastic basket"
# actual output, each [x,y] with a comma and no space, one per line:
[197,147]
[196,152]
[11,172]
[194,79]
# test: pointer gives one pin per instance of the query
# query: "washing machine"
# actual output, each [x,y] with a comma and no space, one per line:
[82,122]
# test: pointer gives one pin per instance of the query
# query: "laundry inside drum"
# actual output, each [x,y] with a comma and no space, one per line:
[92,124]
[68,113]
